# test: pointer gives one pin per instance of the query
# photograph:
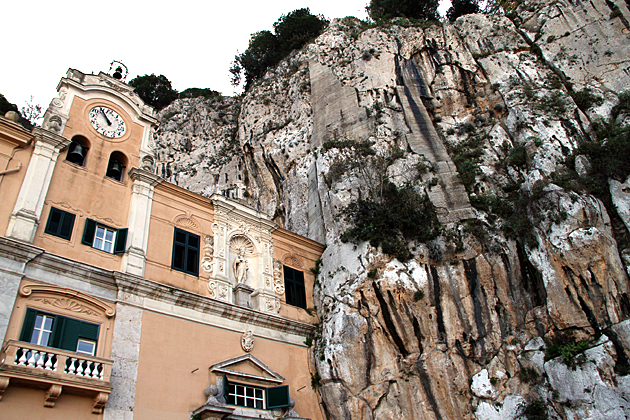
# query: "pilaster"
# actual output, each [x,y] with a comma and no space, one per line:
[139,220]
[30,202]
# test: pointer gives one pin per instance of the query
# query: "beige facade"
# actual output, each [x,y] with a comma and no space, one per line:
[127,297]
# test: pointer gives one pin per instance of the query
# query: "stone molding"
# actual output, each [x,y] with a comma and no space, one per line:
[63,298]
[143,176]
[144,288]
[222,367]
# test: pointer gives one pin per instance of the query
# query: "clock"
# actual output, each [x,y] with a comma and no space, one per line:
[107,122]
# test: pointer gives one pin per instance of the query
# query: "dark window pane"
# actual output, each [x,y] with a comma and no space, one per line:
[178,256]
[180,236]
[240,401]
[55,218]
[249,392]
[193,241]
[191,263]
[259,404]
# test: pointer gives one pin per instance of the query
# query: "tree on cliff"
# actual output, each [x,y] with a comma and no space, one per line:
[266,49]
[413,9]
[154,90]
[462,7]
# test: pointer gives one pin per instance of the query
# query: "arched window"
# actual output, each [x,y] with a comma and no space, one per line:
[77,151]
[116,166]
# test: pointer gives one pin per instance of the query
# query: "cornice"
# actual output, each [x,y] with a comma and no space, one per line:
[169,188]
[14,133]
[50,138]
[15,250]
[141,175]
[299,241]
[144,288]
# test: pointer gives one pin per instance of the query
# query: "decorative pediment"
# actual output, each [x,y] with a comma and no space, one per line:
[67,299]
[247,367]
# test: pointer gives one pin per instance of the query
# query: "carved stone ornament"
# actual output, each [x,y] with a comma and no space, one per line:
[247,341]
[208,249]
[212,288]
[278,283]
[67,304]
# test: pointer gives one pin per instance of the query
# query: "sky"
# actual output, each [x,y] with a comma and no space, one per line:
[191,42]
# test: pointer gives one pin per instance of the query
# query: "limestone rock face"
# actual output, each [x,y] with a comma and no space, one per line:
[478,115]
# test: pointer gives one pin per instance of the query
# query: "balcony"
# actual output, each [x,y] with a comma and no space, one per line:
[55,370]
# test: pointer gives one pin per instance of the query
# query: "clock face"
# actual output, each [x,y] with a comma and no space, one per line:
[107,122]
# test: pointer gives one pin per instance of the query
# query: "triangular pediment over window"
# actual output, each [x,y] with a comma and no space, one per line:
[247,367]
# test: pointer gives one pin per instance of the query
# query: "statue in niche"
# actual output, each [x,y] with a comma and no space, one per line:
[240,267]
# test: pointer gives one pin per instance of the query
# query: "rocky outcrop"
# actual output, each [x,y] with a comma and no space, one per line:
[478,115]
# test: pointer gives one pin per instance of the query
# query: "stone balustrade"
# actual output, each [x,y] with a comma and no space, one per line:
[60,369]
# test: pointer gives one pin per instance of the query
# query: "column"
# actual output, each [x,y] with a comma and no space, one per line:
[30,202]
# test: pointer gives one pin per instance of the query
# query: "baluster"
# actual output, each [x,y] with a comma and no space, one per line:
[40,359]
[71,369]
[80,368]
[48,364]
[20,357]
[56,361]
[99,373]
[88,371]
[33,359]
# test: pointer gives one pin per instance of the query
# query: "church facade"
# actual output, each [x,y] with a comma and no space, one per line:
[127,297]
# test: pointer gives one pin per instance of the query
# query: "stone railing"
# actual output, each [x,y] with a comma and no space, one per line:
[58,368]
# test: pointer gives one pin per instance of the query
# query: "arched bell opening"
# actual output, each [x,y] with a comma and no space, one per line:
[77,151]
[116,166]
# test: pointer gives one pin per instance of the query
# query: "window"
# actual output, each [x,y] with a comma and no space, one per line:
[77,151]
[185,252]
[255,397]
[245,396]
[60,223]
[103,237]
[294,287]
[50,330]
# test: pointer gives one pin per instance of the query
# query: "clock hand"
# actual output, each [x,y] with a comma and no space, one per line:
[106,119]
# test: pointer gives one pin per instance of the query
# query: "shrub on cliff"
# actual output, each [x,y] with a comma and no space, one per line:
[154,90]
[462,7]
[266,49]
[413,9]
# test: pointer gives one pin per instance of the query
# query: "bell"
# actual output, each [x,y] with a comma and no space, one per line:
[115,170]
[77,155]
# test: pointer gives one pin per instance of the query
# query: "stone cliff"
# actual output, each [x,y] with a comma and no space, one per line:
[521,303]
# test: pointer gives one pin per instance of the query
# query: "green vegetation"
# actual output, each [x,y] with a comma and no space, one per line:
[197,92]
[371,216]
[372,273]
[6,106]
[154,90]
[571,351]
[415,218]
[382,10]
[317,269]
[462,7]
[266,49]
[418,295]
[533,410]
[316,380]
[585,99]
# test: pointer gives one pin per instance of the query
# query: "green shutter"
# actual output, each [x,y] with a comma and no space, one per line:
[121,241]
[29,323]
[67,222]
[277,396]
[88,331]
[54,218]
[88,232]
[69,334]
